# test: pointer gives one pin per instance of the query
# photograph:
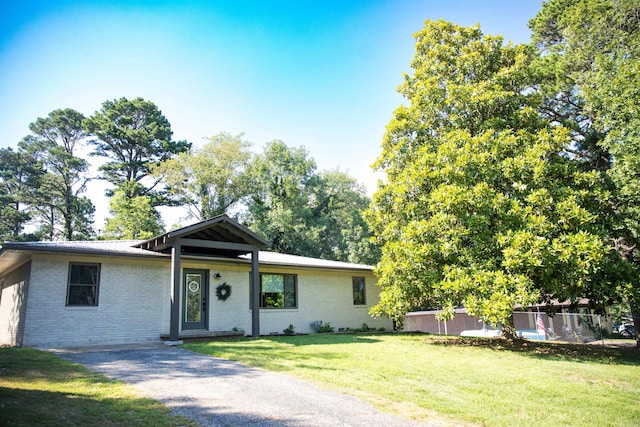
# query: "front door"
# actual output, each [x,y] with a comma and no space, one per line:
[195,289]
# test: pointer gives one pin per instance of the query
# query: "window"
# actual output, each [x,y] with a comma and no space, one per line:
[278,291]
[84,282]
[358,291]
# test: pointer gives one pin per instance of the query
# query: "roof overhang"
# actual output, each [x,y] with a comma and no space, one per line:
[218,236]
[10,259]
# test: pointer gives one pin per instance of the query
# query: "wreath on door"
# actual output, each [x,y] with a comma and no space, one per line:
[223,291]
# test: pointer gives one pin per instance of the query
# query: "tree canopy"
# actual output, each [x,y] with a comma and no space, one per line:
[19,174]
[133,217]
[589,60]
[481,207]
[303,212]
[211,179]
[133,135]
[63,211]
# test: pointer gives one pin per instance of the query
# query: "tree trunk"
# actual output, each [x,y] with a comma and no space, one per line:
[636,322]
[509,329]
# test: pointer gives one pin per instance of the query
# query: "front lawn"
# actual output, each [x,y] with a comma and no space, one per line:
[431,378]
[41,389]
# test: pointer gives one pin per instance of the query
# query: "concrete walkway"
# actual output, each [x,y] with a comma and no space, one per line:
[218,392]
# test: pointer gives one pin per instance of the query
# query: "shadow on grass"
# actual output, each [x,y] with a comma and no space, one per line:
[60,408]
[547,350]
[38,388]
[46,408]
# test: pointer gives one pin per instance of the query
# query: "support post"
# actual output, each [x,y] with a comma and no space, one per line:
[174,327]
[255,295]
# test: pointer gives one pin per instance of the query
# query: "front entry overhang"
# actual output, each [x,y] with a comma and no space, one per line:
[220,237]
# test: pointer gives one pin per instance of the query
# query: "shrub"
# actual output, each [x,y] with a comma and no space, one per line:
[325,328]
[290,330]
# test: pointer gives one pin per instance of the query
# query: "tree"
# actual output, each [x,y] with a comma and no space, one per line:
[593,48]
[19,174]
[278,205]
[133,217]
[306,213]
[337,204]
[210,180]
[480,207]
[133,135]
[63,212]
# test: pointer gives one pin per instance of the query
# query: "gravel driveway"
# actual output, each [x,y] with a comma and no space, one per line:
[218,392]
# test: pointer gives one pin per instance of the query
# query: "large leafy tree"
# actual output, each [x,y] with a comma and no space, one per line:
[303,212]
[589,60]
[63,211]
[133,135]
[133,218]
[480,207]
[278,208]
[210,180]
[340,232]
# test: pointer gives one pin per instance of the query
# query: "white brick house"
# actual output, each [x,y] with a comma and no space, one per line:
[196,281]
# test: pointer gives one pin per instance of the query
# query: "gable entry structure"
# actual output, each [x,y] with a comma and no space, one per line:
[220,237]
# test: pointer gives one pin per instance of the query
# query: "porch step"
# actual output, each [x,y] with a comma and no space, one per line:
[195,335]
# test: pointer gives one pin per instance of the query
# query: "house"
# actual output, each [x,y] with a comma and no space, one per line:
[198,281]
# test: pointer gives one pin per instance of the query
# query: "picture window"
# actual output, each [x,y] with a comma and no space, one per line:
[278,291]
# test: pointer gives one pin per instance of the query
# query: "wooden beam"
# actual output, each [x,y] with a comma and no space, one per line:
[174,327]
[255,295]
[241,247]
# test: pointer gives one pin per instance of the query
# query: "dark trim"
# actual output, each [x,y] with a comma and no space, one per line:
[255,294]
[218,245]
[228,230]
[97,284]
[364,290]
[204,295]
[174,326]
[295,290]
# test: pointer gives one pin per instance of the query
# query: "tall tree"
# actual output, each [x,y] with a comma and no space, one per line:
[19,175]
[479,207]
[133,135]
[210,180]
[64,213]
[589,57]
[278,207]
[303,212]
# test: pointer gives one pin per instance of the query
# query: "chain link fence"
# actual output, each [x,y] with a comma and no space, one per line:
[567,327]
[533,325]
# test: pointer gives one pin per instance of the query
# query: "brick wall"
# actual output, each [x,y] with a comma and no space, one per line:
[13,305]
[134,301]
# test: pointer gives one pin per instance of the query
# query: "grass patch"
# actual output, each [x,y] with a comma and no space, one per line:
[482,381]
[39,388]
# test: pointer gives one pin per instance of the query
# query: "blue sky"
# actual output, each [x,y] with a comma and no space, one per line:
[318,74]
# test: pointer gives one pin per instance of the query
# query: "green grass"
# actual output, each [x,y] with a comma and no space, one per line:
[457,380]
[41,389]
